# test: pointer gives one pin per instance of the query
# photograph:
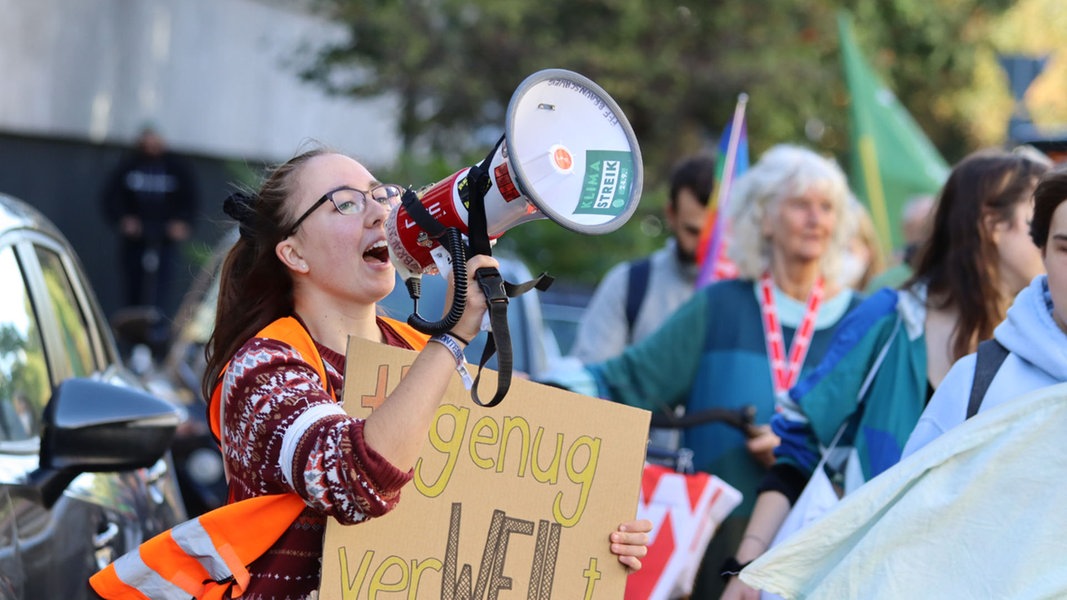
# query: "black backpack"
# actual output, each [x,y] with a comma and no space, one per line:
[636,288]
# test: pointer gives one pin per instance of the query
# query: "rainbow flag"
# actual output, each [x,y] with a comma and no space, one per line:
[731,163]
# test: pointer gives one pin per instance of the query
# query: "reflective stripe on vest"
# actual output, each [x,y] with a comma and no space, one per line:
[191,539]
[202,554]
[131,570]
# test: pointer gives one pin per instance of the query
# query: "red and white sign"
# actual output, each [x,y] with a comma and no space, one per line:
[685,510]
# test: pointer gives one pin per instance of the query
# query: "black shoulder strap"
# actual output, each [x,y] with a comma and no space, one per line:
[991,354]
[636,287]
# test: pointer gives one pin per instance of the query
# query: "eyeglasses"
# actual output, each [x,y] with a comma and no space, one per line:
[350,201]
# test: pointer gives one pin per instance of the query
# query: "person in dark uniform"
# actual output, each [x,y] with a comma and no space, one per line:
[151,200]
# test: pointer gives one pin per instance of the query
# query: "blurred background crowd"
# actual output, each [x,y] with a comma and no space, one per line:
[127,124]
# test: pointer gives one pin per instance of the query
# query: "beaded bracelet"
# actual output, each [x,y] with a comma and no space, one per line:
[449,341]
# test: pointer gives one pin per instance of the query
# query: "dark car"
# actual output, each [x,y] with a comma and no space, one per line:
[84,471]
[177,376]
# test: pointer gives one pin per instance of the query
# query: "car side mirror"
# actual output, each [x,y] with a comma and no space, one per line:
[93,426]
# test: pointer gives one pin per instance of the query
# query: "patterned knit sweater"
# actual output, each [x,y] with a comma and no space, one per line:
[284,433]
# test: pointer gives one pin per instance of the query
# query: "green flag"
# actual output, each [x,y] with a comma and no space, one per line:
[892,160]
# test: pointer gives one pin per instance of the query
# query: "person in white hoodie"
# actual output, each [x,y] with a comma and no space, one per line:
[1034,332]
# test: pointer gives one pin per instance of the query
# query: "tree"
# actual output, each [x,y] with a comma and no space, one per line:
[675,70]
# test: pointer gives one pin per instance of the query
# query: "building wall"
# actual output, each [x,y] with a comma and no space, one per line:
[218,78]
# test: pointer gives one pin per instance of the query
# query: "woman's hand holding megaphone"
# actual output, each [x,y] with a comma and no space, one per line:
[470,324]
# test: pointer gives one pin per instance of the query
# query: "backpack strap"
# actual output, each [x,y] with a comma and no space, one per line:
[636,289]
[991,354]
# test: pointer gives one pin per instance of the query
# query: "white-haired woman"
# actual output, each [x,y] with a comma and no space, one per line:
[789,219]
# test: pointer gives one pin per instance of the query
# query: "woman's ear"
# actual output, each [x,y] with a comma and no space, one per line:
[289,254]
[995,227]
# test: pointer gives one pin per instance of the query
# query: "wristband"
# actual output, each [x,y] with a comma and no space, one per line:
[449,341]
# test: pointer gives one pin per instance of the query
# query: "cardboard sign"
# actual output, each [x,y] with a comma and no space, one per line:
[515,501]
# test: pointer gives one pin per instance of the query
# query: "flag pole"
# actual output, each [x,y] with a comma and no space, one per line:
[722,191]
[731,152]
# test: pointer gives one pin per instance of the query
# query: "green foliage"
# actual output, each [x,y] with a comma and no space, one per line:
[676,70]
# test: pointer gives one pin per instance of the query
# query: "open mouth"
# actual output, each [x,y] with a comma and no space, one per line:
[378,252]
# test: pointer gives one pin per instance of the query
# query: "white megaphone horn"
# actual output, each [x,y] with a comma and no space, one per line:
[568,154]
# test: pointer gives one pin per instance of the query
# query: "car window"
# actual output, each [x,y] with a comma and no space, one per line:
[73,326]
[24,383]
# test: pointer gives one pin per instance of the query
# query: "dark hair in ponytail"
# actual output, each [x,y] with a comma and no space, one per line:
[255,289]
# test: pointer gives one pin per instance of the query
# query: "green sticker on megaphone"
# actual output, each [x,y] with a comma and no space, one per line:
[608,178]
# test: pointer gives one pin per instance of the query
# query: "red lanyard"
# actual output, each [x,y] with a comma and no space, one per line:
[784,374]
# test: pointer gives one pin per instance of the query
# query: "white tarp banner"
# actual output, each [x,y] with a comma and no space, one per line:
[978,513]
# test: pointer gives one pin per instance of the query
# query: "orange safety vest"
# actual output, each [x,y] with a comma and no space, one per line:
[207,557]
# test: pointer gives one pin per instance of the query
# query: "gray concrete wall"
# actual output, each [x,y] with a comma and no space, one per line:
[78,79]
[218,77]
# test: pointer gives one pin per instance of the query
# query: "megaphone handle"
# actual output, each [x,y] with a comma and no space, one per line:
[493,286]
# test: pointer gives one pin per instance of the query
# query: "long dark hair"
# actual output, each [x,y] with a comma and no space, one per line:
[959,261]
[255,289]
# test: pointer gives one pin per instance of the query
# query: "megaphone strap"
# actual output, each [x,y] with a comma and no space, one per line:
[477,184]
[504,364]
[497,290]
[542,282]
[422,217]
[494,288]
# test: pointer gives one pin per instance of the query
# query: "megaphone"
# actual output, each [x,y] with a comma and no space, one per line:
[568,154]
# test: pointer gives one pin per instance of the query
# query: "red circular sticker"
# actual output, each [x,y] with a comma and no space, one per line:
[562,159]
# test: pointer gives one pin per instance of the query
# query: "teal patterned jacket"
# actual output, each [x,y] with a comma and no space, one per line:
[879,349]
